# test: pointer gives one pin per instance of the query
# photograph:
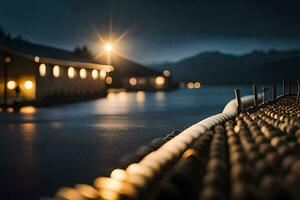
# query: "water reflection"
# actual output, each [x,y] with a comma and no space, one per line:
[160,96]
[28,110]
[140,97]
[114,103]
[56,125]
[50,147]
[111,96]
[10,110]
[28,136]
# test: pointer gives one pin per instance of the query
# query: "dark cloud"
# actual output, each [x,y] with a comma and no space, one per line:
[156,25]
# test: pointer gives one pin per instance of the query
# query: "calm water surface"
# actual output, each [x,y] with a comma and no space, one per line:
[45,148]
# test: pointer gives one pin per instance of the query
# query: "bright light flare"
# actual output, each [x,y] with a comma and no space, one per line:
[28,85]
[108,47]
[11,85]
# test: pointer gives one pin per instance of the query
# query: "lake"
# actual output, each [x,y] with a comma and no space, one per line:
[42,149]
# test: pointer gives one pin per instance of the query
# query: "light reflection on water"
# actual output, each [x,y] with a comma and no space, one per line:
[67,144]
[28,110]
[140,97]
[28,137]
[160,96]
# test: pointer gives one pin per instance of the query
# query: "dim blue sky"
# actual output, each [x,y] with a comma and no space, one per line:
[158,30]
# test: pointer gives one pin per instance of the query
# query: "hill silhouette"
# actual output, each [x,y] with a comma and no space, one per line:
[219,68]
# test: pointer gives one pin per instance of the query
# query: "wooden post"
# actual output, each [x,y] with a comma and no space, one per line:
[298,93]
[5,80]
[265,89]
[254,89]
[289,86]
[283,87]
[238,100]
[274,92]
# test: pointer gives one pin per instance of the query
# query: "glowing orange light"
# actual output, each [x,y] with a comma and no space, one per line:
[111,96]
[160,80]
[11,85]
[82,73]
[71,72]
[108,47]
[42,69]
[28,110]
[94,74]
[108,80]
[10,110]
[132,81]
[102,74]
[190,85]
[28,85]
[140,96]
[56,71]
[7,59]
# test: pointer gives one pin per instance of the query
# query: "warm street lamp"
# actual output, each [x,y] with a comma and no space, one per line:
[108,48]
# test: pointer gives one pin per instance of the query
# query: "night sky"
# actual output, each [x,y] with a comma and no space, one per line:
[158,30]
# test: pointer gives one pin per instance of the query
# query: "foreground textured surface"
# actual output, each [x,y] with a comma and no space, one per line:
[248,155]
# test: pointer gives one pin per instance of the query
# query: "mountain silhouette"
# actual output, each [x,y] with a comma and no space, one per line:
[219,68]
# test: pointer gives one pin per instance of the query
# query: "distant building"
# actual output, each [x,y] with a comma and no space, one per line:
[133,76]
[30,72]
[35,73]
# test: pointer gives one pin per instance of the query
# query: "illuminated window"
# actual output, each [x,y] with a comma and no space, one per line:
[160,80]
[42,69]
[102,74]
[71,72]
[7,59]
[132,81]
[11,85]
[190,85]
[197,85]
[82,73]
[108,80]
[56,71]
[95,74]
[28,85]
